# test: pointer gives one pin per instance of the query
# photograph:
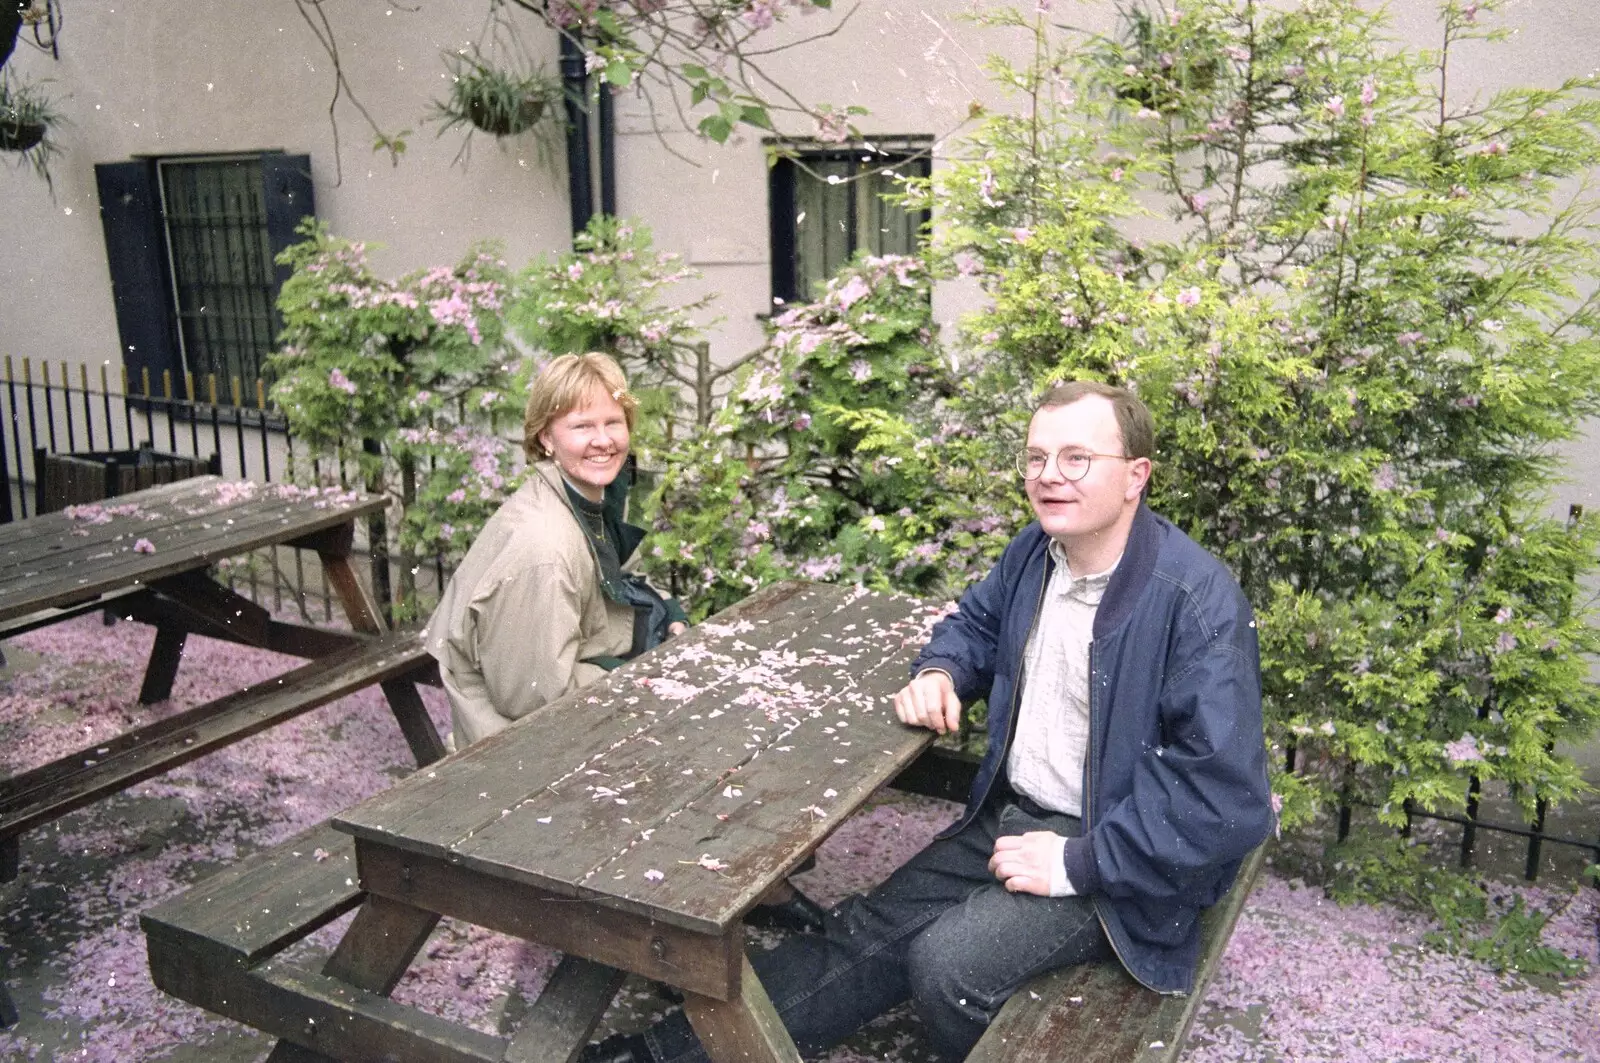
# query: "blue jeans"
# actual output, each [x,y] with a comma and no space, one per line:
[941,931]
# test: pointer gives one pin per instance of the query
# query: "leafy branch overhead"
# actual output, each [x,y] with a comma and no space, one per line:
[698,63]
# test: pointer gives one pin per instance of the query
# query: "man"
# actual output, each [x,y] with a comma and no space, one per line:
[1125,777]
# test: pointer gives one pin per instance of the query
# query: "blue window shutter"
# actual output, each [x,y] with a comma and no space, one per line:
[288,199]
[136,253]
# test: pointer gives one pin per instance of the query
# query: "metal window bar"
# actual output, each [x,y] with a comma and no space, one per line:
[221,259]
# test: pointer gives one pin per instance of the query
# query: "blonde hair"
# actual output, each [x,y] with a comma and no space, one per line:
[567,384]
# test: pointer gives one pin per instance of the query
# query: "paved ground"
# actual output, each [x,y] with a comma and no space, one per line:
[73,958]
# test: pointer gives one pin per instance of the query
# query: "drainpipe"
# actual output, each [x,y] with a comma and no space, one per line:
[608,154]
[575,82]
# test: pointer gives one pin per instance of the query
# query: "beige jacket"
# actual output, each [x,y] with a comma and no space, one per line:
[521,612]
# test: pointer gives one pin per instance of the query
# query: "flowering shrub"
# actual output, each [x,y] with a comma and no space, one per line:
[416,368]
[841,454]
[1359,340]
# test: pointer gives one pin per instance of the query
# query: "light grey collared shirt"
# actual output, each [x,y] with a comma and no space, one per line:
[1046,759]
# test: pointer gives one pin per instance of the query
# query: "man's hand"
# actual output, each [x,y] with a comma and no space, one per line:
[1025,862]
[677,627]
[929,701]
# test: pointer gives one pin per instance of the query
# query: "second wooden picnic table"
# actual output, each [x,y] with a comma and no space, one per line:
[633,824]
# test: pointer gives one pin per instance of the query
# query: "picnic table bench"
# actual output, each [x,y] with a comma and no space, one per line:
[1097,1013]
[146,555]
[630,825]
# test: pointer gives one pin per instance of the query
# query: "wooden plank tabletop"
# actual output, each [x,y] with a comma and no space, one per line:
[686,783]
[66,557]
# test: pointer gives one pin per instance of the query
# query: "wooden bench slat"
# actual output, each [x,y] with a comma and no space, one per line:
[1114,1017]
[54,789]
[318,1012]
[259,906]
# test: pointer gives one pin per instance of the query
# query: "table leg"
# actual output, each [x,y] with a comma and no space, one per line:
[745,1028]
[566,1013]
[353,595]
[374,953]
[163,667]
[415,723]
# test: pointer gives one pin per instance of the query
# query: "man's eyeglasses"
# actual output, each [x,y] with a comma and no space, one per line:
[1074,464]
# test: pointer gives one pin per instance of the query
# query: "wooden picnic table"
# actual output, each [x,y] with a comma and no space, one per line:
[629,825]
[146,556]
[149,550]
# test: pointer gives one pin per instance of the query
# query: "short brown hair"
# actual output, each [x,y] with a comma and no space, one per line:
[1133,417]
[566,384]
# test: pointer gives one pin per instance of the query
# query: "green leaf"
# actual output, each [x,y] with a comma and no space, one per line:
[757,116]
[716,127]
[695,72]
[698,94]
[619,73]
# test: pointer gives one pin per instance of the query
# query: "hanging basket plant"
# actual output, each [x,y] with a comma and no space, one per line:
[26,118]
[496,100]
[21,135]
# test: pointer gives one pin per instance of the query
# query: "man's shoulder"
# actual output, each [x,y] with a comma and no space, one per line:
[1187,564]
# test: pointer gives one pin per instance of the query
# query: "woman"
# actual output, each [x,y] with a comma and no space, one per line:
[542,604]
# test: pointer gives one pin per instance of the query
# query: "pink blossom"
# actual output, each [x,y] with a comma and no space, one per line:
[821,568]
[337,379]
[967,264]
[1495,147]
[1463,750]
[1369,92]
[832,127]
[761,14]
[853,292]
[456,497]
[144,546]
[987,187]
[1335,106]
[860,370]
[1021,234]
[1189,297]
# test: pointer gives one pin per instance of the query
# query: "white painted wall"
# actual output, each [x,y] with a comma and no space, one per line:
[163,77]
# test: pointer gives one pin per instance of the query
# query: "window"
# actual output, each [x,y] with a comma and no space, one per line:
[191,244]
[828,203]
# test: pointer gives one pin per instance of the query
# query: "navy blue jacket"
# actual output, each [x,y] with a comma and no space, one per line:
[1175,779]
